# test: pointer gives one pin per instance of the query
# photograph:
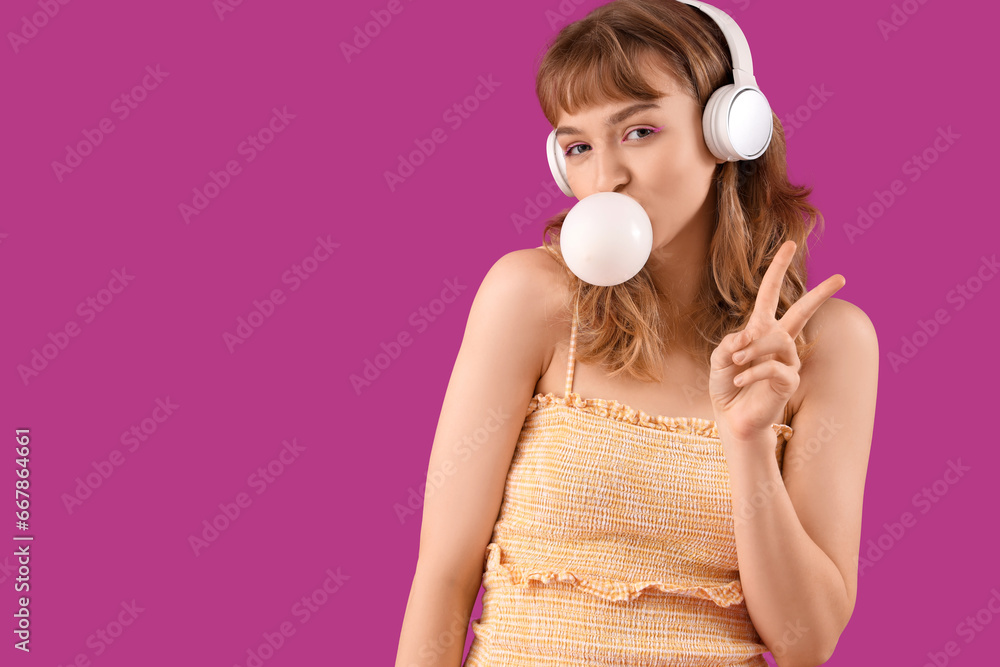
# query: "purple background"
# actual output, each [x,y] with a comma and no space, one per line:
[323,176]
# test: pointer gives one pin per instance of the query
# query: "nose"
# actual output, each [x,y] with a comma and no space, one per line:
[611,171]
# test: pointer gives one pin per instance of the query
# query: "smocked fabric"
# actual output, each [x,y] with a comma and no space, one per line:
[614,543]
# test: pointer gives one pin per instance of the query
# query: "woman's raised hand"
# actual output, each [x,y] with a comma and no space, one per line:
[755,371]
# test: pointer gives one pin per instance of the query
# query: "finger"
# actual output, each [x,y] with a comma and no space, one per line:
[798,314]
[778,343]
[781,375]
[766,304]
[722,356]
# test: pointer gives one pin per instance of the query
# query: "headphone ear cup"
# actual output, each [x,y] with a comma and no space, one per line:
[557,164]
[737,123]
[715,122]
[751,124]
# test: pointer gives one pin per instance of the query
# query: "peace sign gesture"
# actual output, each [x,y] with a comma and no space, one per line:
[755,371]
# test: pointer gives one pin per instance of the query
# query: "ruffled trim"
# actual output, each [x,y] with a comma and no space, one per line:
[723,595]
[612,409]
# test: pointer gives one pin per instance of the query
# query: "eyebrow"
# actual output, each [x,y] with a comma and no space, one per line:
[613,119]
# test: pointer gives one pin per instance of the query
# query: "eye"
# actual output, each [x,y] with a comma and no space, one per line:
[651,130]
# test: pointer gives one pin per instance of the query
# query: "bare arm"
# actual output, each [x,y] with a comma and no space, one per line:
[435,624]
[499,363]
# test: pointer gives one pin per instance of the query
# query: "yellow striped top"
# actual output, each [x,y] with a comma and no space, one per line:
[614,544]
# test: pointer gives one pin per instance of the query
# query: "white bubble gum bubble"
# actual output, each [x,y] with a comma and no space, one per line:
[606,238]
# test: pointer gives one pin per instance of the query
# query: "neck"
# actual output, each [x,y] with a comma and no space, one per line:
[677,267]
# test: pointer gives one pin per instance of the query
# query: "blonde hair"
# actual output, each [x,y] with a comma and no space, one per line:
[623,327]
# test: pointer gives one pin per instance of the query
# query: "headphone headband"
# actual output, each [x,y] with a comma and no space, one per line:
[738,46]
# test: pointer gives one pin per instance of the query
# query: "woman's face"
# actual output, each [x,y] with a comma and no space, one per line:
[656,155]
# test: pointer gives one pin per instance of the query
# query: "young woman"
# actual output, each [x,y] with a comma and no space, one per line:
[669,470]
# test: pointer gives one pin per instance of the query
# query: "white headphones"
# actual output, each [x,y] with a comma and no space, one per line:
[737,122]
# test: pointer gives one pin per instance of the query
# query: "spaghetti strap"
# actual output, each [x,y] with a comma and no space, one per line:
[571,359]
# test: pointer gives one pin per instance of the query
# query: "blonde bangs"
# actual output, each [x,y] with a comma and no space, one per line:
[602,67]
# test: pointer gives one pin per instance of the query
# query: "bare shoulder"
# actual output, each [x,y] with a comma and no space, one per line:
[841,317]
[538,278]
[843,332]
[535,260]
[536,290]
